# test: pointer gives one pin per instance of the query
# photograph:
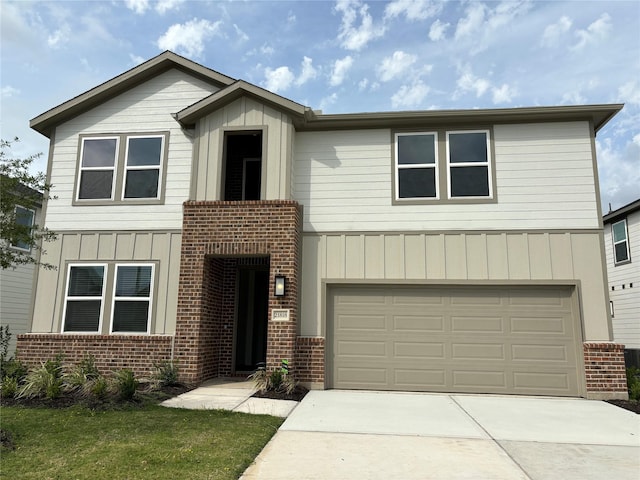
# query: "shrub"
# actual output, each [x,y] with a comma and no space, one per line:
[8,387]
[13,369]
[45,381]
[166,373]
[82,374]
[126,384]
[278,380]
[633,383]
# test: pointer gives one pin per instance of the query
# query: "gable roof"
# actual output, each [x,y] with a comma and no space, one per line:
[45,122]
[622,211]
[188,116]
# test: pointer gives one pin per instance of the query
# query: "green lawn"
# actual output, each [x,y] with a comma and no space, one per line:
[152,442]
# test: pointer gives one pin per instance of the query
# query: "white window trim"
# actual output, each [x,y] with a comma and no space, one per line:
[113,168]
[434,165]
[626,239]
[486,163]
[33,221]
[149,299]
[101,298]
[128,168]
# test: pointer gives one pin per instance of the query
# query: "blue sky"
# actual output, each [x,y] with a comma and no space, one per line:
[344,56]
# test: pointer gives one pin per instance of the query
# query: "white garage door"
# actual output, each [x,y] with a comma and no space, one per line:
[522,340]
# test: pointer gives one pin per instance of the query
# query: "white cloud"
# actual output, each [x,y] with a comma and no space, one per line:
[619,168]
[395,65]
[161,6]
[506,11]
[468,82]
[413,9]
[504,94]
[308,71]
[410,96]
[636,139]
[552,33]
[363,84]
[573,97]
[138,6]
[189,37]
[58,37]
[8,91]
[340,69]
[436,32]
[279,79]
[266,49]
[291,18]
[598,30]
[164,6]
[136,59]
[472,22]
[353,36]
[330,100]
[241,35]
[630,92]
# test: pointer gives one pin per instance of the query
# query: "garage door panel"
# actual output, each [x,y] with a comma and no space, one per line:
[477,324]
[418,323]
[418,351]
[505,340]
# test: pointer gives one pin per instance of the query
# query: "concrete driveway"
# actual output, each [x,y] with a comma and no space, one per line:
[337,434]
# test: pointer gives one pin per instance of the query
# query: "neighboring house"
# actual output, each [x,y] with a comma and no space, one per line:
[16,283]
[207,220]
[622,244]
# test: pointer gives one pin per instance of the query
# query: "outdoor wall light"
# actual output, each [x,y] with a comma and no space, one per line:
[279,288]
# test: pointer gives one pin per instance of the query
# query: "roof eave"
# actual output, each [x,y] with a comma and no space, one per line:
[45,122]
[622,211]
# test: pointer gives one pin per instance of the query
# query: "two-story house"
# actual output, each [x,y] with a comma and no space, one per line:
[622,242]
[207,220]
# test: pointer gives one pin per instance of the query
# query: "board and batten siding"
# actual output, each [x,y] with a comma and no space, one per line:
[500,258]
[244,114]
[544,176]
[163,248]
[626,301]
[145,108]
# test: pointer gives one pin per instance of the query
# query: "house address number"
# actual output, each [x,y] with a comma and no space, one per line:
[280,315]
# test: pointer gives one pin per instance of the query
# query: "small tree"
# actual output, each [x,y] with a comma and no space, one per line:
[20,188]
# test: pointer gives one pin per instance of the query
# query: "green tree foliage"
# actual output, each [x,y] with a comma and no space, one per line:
[20,188]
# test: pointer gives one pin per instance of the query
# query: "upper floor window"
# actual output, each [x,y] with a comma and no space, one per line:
[456,162]
[121,168]
[25,218]
[620,242]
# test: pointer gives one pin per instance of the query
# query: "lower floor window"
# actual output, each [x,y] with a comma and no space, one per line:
[129,306]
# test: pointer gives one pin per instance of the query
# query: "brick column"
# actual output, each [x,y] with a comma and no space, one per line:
[605,371]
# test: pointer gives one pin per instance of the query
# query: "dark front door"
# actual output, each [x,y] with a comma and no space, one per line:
[251,324]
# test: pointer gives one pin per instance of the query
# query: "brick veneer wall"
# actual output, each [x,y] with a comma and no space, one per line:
[216,230]
[310,360]
[111,352]
[605,371]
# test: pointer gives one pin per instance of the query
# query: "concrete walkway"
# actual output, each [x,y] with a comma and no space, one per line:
[229,394]
[387,435]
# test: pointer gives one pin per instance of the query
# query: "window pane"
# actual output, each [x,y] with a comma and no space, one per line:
[416,182]
[414,149]
[24,220]
[95,184]
[130,316]
[133,281]
[621,252]
[85,281]
[467,147]
[469,182]
[142,184]
[82,316]
[99,152]
[619,231]
[144,151]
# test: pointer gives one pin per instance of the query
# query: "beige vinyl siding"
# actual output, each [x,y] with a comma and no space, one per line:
[626,302]
[16,286]
[544,180]
[463,258]
[244,114]
[105,247]
[145,108]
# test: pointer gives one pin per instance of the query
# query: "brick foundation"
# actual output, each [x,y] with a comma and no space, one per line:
[214,235]
[310,361]
[111,352]
[604,371]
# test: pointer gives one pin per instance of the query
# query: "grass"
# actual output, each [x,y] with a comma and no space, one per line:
[152,442]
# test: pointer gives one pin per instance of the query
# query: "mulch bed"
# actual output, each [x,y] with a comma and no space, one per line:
[297,395]
[632,405]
